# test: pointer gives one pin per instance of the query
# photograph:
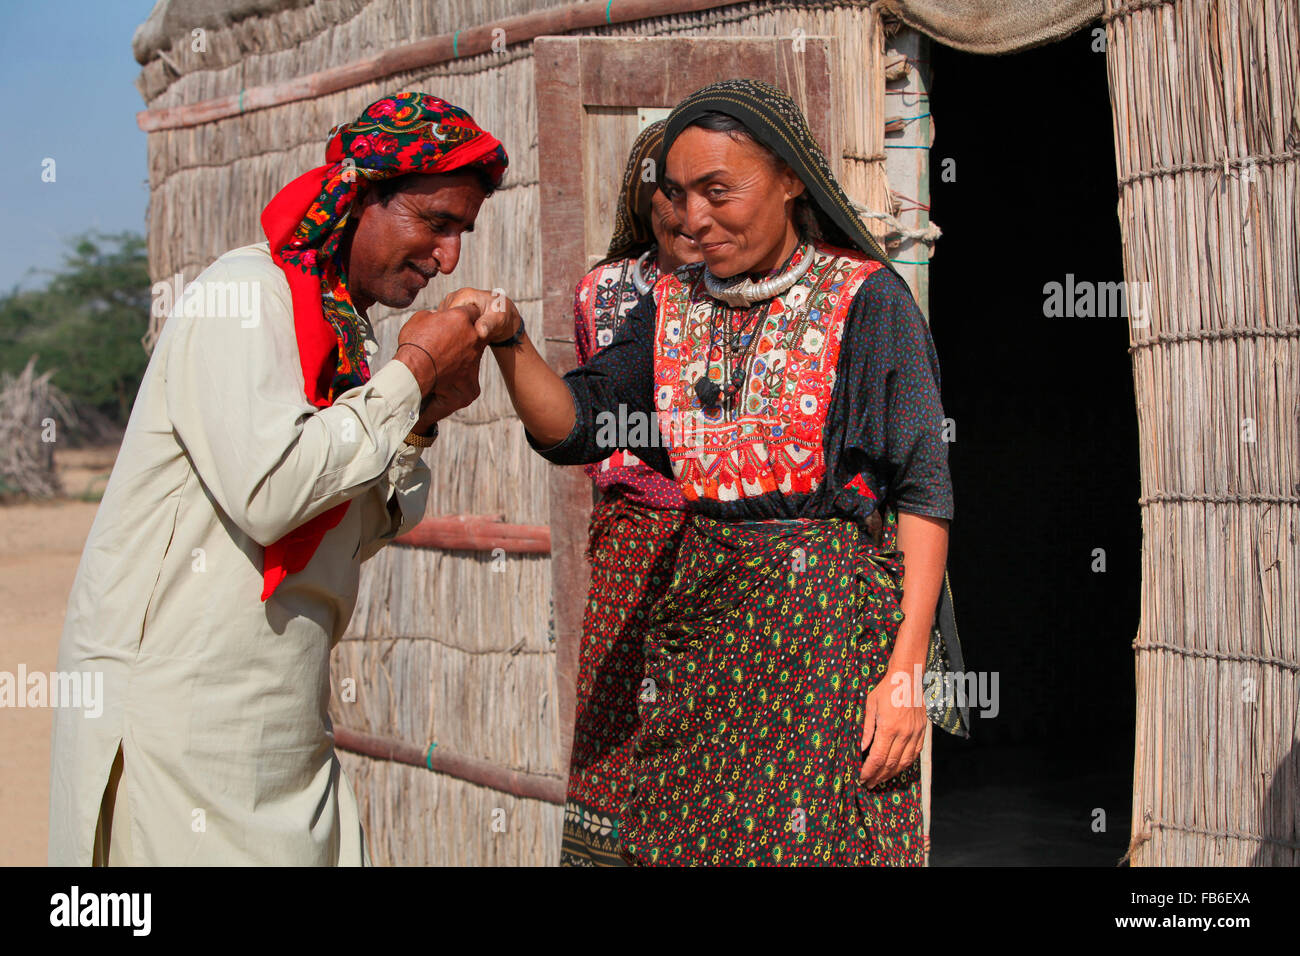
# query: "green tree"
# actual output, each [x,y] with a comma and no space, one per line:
[87,323]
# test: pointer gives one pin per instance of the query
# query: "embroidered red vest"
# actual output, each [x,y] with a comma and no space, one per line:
[775,441]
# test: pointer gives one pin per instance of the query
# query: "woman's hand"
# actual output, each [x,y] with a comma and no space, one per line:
[540,397]
[895,722]
[498,317]
[894,727]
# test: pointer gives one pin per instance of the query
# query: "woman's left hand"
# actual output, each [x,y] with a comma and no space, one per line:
[893,730]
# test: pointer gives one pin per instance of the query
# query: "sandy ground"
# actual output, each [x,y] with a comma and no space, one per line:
[40,545]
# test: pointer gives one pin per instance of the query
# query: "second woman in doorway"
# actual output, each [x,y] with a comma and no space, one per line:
[635,526]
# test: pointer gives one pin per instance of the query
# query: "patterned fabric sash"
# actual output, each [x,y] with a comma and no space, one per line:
[760,657]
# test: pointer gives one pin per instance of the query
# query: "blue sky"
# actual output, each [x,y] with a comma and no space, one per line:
[68,81]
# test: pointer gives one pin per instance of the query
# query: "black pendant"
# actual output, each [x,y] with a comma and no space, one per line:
[708,392]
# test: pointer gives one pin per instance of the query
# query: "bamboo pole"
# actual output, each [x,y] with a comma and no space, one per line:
[518,783]
[477,533]
[907,165]
[907,157]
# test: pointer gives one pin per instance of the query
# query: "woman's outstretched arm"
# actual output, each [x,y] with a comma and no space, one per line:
[593,410]
[541,399]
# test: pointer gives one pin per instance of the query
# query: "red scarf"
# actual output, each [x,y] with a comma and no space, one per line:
[304,224]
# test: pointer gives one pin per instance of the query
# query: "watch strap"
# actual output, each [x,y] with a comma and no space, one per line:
[422,441]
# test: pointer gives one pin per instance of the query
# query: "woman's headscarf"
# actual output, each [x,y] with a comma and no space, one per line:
[773,119]
[409,132]
[632,232]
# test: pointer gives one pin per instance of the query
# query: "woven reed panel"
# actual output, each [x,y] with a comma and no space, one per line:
[1207,137]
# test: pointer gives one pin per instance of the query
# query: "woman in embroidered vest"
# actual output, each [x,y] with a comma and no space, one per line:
[797,389]
[634,527]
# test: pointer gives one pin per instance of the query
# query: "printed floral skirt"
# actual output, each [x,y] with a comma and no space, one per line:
[632,550]
[758,660]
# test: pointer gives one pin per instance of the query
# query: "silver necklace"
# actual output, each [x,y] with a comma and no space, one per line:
[742,291]
[638,277]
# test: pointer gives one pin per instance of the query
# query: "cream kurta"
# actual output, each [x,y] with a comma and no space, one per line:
[218,699]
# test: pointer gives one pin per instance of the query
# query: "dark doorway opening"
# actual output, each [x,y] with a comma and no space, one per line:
[1045,462]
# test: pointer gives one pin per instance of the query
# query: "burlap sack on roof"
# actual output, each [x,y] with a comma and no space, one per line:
[995,26]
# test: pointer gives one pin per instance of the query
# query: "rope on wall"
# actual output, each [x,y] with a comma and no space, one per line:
[929,234]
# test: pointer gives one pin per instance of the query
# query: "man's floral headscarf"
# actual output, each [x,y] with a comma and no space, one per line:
[408,132]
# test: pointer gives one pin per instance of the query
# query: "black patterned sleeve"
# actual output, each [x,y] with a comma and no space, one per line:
[610,393]
[894,413]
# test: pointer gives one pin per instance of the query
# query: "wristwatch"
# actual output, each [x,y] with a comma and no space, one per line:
[514,339]
[422,441]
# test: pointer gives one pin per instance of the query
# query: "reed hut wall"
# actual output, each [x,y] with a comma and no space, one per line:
[1207,142]
[452,647]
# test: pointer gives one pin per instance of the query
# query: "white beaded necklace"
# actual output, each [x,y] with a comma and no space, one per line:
[742,291]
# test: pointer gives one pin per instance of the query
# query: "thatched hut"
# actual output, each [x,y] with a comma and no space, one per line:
[460,656]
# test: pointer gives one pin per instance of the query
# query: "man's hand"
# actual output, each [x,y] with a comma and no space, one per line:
[542,400]
[498,316]
[443,350]
[446,344]
[449,396]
